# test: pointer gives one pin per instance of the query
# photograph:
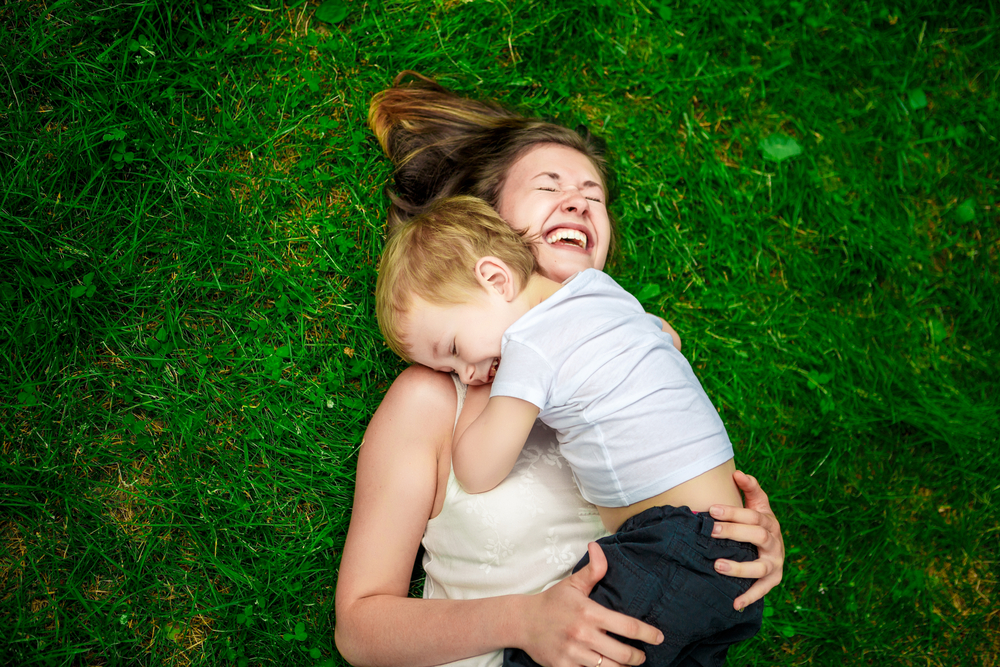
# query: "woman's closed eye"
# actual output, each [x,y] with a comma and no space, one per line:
[599,200]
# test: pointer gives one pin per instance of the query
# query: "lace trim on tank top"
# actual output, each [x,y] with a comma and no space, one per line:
[461,389]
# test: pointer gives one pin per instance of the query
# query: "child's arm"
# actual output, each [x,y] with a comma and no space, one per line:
[485,454]
[665,326]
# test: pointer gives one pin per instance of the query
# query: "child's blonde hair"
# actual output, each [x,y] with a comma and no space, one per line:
[433,256]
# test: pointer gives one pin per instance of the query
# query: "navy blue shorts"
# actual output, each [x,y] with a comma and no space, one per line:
[661,571]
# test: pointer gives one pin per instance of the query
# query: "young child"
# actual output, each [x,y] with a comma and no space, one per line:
[457,292]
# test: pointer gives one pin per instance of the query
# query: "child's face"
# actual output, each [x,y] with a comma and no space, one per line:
[556,194]
[462,338]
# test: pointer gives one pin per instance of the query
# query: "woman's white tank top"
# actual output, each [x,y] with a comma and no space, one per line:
[518,538]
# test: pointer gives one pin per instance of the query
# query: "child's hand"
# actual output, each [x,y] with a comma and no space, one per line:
[670,330]
[673,334]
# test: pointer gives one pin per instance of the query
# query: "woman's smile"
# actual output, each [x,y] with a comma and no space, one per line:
[569,235]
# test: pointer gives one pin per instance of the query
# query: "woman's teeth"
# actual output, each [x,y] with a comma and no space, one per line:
[572,236]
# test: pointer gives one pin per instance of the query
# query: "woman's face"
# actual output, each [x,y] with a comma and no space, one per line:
[556,194]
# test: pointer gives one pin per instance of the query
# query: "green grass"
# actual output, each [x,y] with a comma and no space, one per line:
[190,215]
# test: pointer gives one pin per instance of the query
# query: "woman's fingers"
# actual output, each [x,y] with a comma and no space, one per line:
[603,620]
[587,576]
[755,534]
[564,628]
[743,525]
[757,525]
[622,654]
[754,569]
[614,652]
[745,516]
[756,592]
[755,497]
[608,662]
[626,626]
[620,624]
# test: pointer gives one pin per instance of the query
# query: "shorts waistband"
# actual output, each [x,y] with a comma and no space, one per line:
[683,514]
[699,523]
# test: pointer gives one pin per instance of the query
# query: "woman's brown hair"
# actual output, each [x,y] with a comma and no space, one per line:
[443,145]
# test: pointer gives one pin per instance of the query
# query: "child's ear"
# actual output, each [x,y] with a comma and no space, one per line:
[495,276]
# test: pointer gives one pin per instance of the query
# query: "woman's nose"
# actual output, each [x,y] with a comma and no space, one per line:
[574,201]
[469,376]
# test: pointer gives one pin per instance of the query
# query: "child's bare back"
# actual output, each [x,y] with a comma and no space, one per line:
[713,487]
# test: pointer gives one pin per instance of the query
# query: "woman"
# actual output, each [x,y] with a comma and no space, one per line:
[492,560]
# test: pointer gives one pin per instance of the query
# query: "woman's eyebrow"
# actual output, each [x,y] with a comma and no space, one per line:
[555,177]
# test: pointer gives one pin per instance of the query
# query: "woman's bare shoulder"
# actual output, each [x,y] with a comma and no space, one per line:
[419,406]
[420,387]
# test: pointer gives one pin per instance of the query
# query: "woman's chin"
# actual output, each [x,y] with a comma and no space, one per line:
[559,264]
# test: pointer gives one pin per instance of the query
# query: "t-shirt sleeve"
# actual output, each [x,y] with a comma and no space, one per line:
[657,321]
[523,373]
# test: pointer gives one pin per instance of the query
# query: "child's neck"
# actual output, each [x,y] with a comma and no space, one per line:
[538,289]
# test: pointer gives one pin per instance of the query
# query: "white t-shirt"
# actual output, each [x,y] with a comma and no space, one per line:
[630,415]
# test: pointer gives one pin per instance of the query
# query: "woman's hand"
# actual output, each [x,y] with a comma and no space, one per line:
[562,627]
[757,525]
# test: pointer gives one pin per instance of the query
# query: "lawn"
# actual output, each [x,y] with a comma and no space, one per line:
[191,212]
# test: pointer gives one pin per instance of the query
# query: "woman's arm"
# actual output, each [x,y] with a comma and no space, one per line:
[756,524]
[396,488]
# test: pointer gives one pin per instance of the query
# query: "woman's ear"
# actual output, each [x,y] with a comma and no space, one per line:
[495,276]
